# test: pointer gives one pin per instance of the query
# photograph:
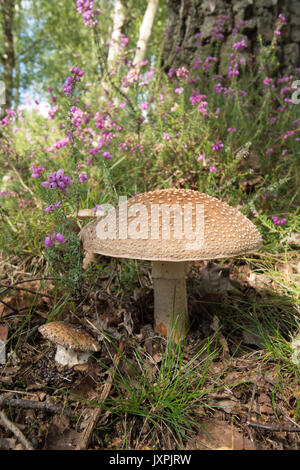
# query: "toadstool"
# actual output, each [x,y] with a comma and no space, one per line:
[73,344]
[171,227]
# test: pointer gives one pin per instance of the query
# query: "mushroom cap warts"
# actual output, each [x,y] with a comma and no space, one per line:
[146,227]
[69,336]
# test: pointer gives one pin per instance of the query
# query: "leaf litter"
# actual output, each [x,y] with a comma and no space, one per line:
[255,405]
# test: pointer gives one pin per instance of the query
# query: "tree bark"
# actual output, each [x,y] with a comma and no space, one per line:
[118,22]
[187,18]
[8,56]
[145,32]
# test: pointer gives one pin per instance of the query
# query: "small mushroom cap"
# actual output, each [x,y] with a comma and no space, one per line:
[69,336]
[141,231]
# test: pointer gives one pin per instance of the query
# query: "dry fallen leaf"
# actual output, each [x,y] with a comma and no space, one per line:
[220,436]
[293,238]
[60,436]
[215,280]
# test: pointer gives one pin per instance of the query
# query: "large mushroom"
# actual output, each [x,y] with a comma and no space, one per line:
[74,345]
[171,227]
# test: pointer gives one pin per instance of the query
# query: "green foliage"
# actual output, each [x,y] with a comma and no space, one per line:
[164,399]
[233,137]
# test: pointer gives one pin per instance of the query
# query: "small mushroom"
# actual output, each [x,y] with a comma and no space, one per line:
[170,228]
[73,344]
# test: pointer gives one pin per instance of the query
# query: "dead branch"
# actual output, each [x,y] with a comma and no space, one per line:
[33,405]
[15,430]
[84,440]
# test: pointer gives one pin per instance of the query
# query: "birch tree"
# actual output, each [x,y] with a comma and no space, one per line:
[145,32]
[118,21]
[8,54]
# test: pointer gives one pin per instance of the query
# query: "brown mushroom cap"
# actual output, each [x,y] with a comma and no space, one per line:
[69,336]
[226,231]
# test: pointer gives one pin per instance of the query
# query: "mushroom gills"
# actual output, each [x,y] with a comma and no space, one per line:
[70,357]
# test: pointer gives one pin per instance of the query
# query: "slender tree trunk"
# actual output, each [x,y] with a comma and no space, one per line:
[252,19]
[114,45]
[118,22]
[8,55]
[145,31]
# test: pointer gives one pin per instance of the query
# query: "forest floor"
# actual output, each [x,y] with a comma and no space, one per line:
[251,400]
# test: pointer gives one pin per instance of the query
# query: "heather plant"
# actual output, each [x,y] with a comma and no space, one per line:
[116,128]
[187,127]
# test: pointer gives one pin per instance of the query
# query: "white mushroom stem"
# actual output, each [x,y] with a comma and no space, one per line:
[170,300]
[69,357]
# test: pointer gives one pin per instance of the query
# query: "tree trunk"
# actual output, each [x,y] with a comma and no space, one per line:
[8,55]
[252,18]
[115,40]
[145,32]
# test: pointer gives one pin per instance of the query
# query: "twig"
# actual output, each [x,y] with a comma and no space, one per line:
[9,306]
[33,405]
[250,410]
[15,430]
[252,400]
[11,165]
[30,280]
[267,427]
[278,428]
[84,440]
[33,292]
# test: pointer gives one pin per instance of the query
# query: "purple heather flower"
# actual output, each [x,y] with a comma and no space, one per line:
[61,184]
[182,72]
[49,208]
[48,242]
[240,45]
[82,177]
[60,238]
[52,207]
[269,82]
[270,150]
[217,146]
[282,18]
[97,206]
[107,155]
[288,134]
[278,221]
[57,180]
[144,105]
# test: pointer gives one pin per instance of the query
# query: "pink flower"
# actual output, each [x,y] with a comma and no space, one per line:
[240,45]
[82,177]
[48,242]
[60,238]
[217,146]
[182,72]
[282,18]
[288,134]
[107,155]
[166,136]
[201,157]
[277,221]
[269,82]
[144,105]
[213,169]
[270,150]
